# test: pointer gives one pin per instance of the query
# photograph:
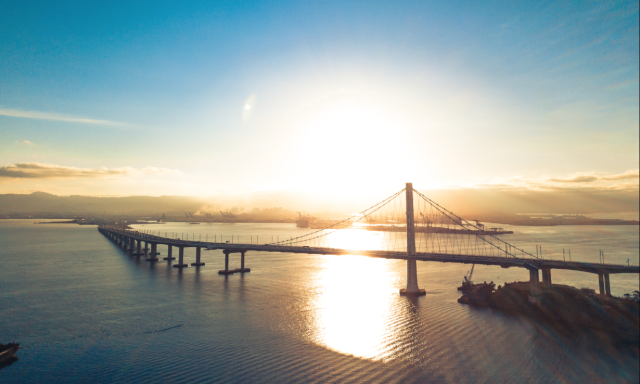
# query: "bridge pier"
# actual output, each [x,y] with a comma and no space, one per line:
[412,270]
[197,263]
[226,270]
[146,249]
[601,282]
[605,284]
[132,245]
[412,280]
[154,248]
[546,277]
[534,281]
[242,269]
[138,248]
[181,263]
[169,251]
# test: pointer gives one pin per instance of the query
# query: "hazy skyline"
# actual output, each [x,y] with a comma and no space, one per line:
[325,99]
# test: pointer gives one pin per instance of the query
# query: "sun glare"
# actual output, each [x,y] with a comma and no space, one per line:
[349,143]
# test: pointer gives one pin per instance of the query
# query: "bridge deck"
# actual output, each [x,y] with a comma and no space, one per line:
[505,262]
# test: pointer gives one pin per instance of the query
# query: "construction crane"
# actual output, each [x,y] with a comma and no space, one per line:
[467,284]
[469,275]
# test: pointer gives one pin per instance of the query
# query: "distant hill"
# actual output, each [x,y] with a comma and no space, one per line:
[41,202]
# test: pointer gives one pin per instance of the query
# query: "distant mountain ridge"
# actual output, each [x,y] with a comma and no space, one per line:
[42,202]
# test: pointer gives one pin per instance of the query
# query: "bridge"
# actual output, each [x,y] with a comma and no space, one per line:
[408,226]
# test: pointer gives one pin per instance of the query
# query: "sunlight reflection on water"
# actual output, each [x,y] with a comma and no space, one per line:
[353,305]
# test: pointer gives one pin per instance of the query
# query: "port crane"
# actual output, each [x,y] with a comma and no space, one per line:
[467,284]
[479,225]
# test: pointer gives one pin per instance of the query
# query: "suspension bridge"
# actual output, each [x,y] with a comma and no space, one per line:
[407,226]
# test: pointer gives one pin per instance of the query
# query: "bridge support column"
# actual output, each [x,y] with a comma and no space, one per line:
[132,245]
[154,248]
[412,270]
[546,277]
[534,281]
[197,263]
[607,285]
[226,270]
[169,251]
[242,268]
[181,263]
[412,280]
[146,249]
[601,282]
[138,248]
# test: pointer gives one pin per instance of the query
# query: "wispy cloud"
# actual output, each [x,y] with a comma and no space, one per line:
[49,171]
[628,175]
[577,179]
[27,142]
[57,117]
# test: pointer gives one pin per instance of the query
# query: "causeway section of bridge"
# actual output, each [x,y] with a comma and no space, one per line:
[141,244]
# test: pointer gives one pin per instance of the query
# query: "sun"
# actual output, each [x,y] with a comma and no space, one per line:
[349,143]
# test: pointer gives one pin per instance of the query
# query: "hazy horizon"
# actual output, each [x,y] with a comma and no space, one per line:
[461,201]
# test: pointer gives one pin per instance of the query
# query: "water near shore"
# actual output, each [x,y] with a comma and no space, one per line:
[84,311]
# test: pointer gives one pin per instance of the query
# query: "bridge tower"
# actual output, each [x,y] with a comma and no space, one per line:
[412,272]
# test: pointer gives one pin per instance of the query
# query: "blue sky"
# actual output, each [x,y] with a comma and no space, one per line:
[360,94]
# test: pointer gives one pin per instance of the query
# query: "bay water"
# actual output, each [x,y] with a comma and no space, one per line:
[85,311]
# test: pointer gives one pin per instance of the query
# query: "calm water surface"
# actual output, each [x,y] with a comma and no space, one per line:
[84,311]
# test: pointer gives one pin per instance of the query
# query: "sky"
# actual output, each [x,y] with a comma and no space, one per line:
[320,99]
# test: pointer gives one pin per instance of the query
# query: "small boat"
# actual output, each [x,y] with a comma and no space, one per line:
[8,350]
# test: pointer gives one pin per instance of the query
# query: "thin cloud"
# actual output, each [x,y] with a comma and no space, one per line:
[628,175]
[577,179]
[50,171]
[27,142]
[56,117]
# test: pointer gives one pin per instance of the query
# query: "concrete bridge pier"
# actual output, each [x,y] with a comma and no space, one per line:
[546,277]
[242,268]
[605,284]
[138,248]
[226,270]
[181,263]
[146,249]
[132,245]
[197,263]
[169,251]
[534,281]
[412,280]
[154,248]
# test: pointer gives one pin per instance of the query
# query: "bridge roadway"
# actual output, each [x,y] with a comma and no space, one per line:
[533,265]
